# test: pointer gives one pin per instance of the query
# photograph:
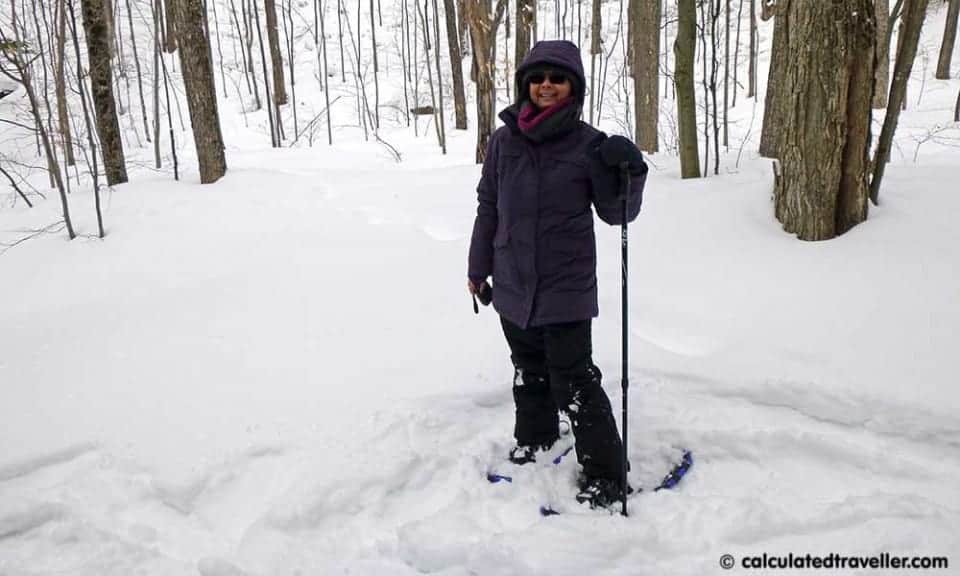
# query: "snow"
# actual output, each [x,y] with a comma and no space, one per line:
[282,373]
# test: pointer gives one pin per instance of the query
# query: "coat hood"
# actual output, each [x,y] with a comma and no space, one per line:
[561,53]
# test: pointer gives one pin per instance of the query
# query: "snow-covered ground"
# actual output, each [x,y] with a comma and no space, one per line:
[282,373]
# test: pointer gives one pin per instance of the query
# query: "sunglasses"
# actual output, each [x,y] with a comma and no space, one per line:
[553,77]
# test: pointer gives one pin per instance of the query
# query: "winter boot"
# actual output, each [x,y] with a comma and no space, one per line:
[600,492]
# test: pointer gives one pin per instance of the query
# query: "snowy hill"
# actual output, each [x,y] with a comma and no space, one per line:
[282,373]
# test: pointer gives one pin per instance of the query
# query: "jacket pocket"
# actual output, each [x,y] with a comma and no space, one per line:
[504,264]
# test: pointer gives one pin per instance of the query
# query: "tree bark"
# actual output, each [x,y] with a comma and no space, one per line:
[596,26]
[774,109]
[823,188]
[524,17]
[276,57]
[915,11]
[683,49]
[956,109]
[170,35]
[60,82]
[752,81]
[949,37]
[881,81]
[201,89]
[456,68]
[483,33]
[101,83]
[646,73]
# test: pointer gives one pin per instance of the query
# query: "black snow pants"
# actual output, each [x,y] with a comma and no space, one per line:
[554,370]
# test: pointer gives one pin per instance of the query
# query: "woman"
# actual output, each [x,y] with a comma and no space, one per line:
[533,234]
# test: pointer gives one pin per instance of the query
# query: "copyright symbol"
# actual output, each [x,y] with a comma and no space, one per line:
[727,562]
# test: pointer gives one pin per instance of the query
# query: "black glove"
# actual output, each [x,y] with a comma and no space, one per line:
[616,150]
[485,293]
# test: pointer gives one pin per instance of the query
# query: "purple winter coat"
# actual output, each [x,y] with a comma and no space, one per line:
[534,227]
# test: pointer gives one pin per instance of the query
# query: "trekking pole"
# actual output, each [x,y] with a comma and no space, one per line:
[625,383]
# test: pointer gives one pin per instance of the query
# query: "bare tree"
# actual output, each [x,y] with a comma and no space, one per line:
[326,69]
[915,11]
[526,12]
[288,34]
[752,82]
[405,58]
[136,61]
[436,56]
[12,50]
[157,162]
[483,33]
[949,37]
[595,49]
[170,34]
[645,41]
[59,75]
[684,47]
[343,66]
[881,80]
[81,84]
[823,187]
[276,57]
[376,66]
[101,84]
[274,131]
[201,89]
[13,184]
[726,73]
[456,69]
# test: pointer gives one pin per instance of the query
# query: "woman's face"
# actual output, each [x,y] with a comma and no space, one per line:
[549,87]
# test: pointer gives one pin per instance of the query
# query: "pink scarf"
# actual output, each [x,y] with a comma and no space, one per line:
[531,116]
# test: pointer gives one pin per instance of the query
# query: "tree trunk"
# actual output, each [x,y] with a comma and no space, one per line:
[596,26]
[136,61]
[774,109]
[684,48]
[200,89]
[170,38]
[456,69]
[881,81]
[524,17]
[376,68]
[822,190]
[156,83]
[436,57]
[483,34]
[726,74]
[272,108]
[956,109]
[276,58]
[101,82]
[14,57]
[646,73]
[949,37]
[915,11]
[752,81]
[462,29]
[63,111]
